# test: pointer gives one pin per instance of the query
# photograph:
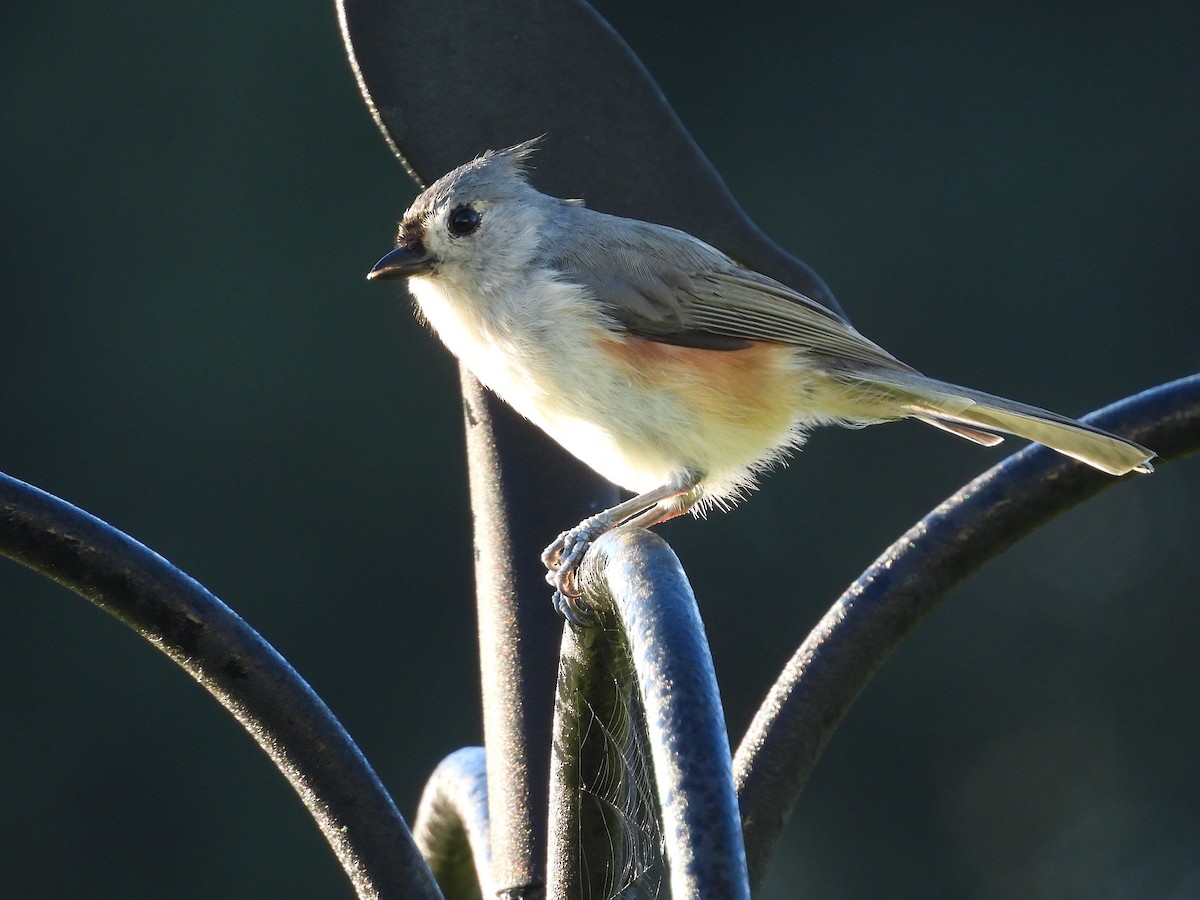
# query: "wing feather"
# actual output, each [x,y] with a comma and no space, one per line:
[663,284]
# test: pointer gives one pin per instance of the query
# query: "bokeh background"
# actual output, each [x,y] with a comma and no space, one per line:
[192,193]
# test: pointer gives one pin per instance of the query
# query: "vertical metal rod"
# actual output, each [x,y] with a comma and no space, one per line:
[524,490]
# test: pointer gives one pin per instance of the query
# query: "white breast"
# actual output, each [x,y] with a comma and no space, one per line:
[544,352]
[543,355]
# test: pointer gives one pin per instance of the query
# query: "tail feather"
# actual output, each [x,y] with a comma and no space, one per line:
[974,415]
[986,438]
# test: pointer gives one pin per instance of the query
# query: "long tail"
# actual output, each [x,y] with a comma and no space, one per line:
[976,416]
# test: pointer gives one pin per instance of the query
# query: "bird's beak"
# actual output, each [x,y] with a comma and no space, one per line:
[403,262]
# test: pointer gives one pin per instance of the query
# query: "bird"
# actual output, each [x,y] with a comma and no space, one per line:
[665,365]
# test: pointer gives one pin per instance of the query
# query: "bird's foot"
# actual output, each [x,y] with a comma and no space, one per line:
[562,559]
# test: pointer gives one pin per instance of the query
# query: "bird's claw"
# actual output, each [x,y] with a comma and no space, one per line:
[562,559]
[577,613]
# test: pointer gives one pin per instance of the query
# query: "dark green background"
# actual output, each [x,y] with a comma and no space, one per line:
[192,194]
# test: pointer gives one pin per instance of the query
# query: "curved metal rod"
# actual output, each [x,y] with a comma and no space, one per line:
[233,663]
[451,827]
[635,573]
[848,645]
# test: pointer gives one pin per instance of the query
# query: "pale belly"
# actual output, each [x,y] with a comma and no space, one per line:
[637,411]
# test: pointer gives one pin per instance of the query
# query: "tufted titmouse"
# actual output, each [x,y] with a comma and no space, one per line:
[658,360]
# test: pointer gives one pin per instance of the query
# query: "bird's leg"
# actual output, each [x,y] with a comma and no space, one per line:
[562,558]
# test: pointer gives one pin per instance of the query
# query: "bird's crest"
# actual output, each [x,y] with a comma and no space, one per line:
[515,157]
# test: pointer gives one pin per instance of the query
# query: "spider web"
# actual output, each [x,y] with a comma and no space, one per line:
[619,832]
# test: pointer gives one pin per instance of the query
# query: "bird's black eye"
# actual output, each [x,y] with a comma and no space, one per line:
[463,221]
